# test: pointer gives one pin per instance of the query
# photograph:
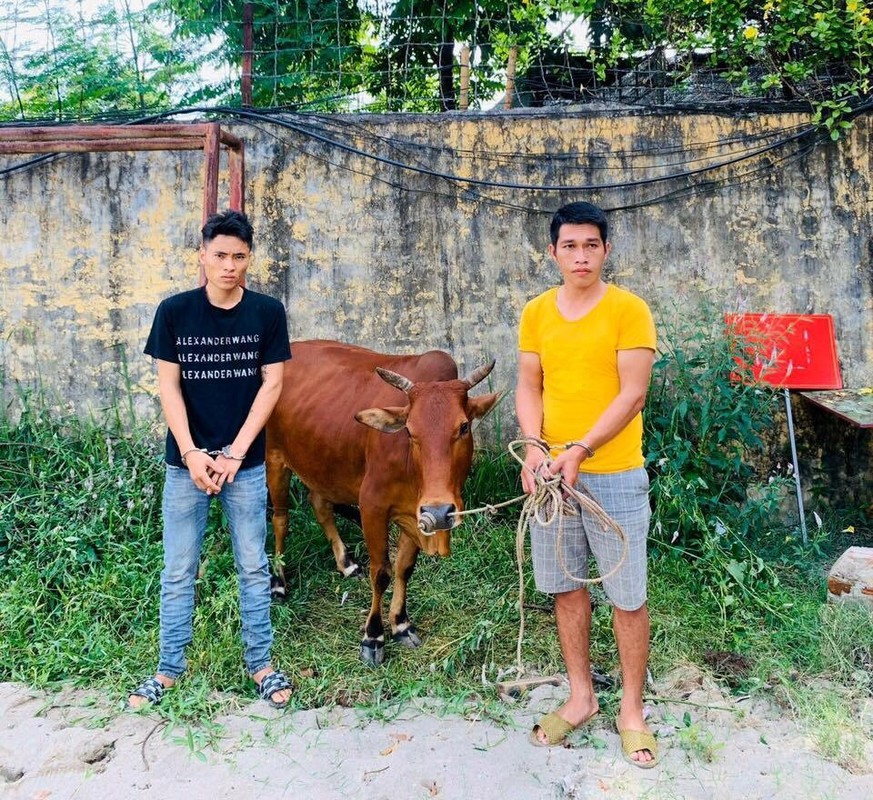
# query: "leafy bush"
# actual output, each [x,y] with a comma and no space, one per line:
[704,437]
[704,447]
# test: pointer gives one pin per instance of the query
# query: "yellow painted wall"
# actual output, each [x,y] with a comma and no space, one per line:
[365,251]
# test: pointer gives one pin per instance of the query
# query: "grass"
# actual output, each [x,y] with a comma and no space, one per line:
[80,557]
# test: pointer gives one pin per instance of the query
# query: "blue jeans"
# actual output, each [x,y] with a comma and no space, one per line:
[185,509]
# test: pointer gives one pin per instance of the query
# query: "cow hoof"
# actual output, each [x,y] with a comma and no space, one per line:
[277,590]
[352,570]
[408,637]
[372,652]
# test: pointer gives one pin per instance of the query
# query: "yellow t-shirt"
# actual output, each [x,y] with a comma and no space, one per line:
[580,370]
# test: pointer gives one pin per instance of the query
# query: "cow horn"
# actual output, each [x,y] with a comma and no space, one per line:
[479,374]
[398,381]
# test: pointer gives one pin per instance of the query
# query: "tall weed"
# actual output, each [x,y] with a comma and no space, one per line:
[78,537]
[704,444]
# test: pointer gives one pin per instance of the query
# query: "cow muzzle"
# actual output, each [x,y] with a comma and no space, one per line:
[436,518]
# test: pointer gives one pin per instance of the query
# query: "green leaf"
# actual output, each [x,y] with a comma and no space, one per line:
[737,571]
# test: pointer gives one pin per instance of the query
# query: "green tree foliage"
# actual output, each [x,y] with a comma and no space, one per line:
[302,50]
[417,62]
[815,50]
[403,55]
[86,64]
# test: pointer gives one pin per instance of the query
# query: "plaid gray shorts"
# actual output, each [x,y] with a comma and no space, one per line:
[625,497]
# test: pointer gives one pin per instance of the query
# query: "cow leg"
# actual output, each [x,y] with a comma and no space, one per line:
[403,630]
[278,484]
[323,510]
[375,526]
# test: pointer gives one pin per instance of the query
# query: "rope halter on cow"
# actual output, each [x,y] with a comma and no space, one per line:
[427,522]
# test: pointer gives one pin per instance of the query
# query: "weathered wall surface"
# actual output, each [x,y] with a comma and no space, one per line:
[95,241]
[363,251]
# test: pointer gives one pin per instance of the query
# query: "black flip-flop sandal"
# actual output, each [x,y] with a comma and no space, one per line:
[270,684]
[151,689]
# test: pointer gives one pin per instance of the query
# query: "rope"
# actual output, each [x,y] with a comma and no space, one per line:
[548,502]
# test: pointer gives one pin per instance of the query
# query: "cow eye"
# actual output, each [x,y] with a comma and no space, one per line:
[464,429]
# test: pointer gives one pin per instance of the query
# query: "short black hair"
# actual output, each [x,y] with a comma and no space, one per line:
[580,213]
[228,223]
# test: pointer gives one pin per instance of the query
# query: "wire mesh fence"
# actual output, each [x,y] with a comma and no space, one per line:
[70,59]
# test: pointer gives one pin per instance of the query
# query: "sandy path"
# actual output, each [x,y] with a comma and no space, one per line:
[73,745]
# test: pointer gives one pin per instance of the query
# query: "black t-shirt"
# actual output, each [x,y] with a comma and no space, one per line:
[221,352]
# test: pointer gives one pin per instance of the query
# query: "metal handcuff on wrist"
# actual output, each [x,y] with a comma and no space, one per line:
[225,451]
[543,444]
[587,448]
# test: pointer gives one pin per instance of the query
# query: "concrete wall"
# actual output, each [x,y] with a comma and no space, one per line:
[366,252]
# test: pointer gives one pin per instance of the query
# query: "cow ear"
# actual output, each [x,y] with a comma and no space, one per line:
[387,420]
[478,407]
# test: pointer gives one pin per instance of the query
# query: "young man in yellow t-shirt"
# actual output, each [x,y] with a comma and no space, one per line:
[586,354]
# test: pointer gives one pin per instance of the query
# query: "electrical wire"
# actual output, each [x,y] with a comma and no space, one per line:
[471,189]
[404,145]
[302,129]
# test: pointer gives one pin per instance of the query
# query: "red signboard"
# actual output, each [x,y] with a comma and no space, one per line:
[791,351]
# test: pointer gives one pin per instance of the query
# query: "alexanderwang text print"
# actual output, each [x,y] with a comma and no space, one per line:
[218,357]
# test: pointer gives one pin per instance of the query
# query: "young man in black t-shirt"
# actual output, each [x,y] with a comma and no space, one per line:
[220,351]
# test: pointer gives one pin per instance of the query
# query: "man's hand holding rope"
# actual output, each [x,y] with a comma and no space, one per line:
[536,458]
[567,465]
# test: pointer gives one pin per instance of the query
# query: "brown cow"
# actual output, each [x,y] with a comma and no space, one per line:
[406,463]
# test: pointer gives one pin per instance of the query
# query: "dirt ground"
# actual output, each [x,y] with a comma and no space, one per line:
[77,745]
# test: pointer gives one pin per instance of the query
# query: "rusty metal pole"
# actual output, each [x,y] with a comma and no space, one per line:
[211,165]
[120,138]
[237,177]
[248,44]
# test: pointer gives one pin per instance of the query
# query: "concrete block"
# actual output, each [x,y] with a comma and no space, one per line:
[851,577]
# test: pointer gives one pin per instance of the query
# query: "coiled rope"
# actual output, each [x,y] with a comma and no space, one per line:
[547,503]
